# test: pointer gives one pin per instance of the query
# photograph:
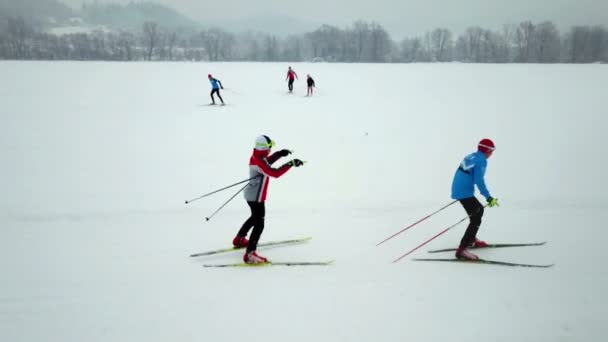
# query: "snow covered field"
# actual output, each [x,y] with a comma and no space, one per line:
[98,158]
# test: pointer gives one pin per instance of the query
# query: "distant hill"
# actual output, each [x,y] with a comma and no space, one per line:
[277,25]
[39,12]
[133,15]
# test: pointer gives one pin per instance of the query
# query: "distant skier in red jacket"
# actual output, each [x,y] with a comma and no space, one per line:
[291,77]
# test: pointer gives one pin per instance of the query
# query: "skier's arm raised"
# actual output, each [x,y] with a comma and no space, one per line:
[265,167]
[275,156]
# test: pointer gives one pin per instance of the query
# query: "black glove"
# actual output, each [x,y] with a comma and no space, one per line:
[295,162]
[283,153]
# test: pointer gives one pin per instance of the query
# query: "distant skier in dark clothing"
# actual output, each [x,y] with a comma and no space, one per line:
[291,76]
[311,84]
[215,88]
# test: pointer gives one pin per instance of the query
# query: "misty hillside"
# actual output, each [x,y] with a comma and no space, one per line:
[42,12]
[133,15]
[49,13]
[269,23]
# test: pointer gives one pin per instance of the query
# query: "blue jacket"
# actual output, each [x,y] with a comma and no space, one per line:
[471,172]
[215,83]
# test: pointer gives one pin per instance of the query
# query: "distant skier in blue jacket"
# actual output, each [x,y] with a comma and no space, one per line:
[469,174]
[215,88]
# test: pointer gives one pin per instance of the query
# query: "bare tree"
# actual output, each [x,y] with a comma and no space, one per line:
[171,42]
[151,37]
[218,44]
[293,49]
[578,44]
[587,44]
[126,42]
[98,45]
[412,50]
[469,44]
[271,48]
[547,43]
[525,41]
[505,43]
[18,33]
[490,47]
[210,40]
[598,39]
[194,51]
[361,31]
[326,42]
[254,54]
[246,47]
[4,46]
[427,47]
[81,45]
[380,43]
[441,44]
[227,46]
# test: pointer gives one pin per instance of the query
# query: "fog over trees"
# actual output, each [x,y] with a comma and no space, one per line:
[152,32]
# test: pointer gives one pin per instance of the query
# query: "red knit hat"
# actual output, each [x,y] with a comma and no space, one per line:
[486,145]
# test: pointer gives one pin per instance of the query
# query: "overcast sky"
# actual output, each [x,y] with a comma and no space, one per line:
[399,17]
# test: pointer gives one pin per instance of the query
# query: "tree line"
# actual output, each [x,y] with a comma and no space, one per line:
[363,41]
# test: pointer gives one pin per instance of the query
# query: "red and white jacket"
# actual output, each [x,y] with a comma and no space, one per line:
[260,168]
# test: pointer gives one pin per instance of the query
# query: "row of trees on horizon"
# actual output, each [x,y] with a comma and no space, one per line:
[363,41]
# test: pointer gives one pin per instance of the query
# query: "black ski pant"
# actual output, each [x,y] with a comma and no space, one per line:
[216,91]
[256,220]
[290,84]
[475,210]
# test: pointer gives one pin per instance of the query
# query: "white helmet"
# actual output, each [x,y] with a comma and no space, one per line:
[263,143]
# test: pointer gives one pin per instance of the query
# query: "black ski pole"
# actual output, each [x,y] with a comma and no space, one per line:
[223,205]
[224,188]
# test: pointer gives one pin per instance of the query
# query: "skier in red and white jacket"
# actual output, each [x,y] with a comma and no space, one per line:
[260,171]
[291,77]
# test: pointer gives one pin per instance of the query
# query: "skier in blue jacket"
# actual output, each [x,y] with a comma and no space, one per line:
[215,88]
[469,174]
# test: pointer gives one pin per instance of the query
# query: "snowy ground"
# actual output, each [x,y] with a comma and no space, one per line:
[97,159]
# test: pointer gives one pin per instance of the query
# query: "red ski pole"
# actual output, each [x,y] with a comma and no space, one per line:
[415,223]
[434,237]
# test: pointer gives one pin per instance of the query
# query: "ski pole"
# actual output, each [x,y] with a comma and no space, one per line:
[436,236]
[415,223]
[223,205]
[224,188]
[236,92]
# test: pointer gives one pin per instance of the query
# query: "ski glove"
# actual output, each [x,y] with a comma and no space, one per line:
[283,153]
[492,202]
[295,162]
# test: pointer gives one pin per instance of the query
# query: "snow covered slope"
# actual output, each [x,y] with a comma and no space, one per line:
[98,158]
